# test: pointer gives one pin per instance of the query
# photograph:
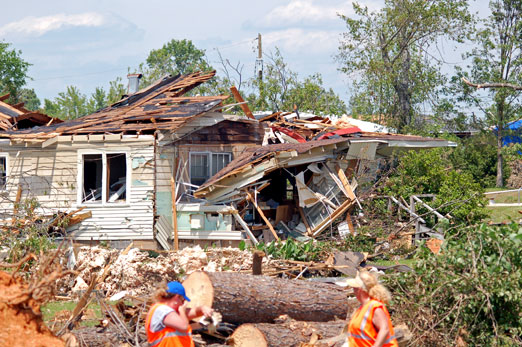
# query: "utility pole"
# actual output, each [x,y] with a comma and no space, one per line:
[259,60]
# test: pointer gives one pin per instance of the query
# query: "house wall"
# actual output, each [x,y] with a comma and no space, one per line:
[51,175]
[224,137]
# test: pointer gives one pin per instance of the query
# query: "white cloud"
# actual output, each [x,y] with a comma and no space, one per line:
[299,11]
[37,26]
[299,40]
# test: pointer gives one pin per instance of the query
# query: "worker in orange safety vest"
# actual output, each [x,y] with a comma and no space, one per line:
[370,325]
[167,322]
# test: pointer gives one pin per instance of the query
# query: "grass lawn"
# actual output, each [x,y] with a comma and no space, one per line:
[407,262]
[511,197]
[501,214]
[57,309]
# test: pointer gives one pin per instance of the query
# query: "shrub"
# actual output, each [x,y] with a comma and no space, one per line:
[431,172]
[471,291]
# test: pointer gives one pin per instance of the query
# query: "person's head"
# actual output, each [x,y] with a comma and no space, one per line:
[366,284]
[171,293]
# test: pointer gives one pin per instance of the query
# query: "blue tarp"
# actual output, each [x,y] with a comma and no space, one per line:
[515,133]
[515,128]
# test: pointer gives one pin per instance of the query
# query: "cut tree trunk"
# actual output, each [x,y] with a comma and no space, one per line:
[243,298]
[292,333]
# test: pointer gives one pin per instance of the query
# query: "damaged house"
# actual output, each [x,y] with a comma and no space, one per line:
[161,168]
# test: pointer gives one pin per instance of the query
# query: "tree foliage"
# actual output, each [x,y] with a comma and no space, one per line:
[389,49]
[175,57]
[433,172]
[281,89]
[13,72]
[470,292]
[496,59]
[72,103]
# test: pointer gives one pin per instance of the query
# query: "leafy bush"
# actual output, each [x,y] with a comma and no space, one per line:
[431,172]
[22,238]
[477,156]
[471,291]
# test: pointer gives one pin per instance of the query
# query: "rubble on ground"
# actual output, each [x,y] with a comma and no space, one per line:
[137,270]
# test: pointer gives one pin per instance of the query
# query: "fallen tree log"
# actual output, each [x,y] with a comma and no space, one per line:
[292,333]
[244,298]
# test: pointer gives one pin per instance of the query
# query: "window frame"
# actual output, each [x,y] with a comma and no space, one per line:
[209,155]
[6,156]
[104,201]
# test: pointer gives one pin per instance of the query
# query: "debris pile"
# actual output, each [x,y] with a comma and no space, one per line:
[136,270]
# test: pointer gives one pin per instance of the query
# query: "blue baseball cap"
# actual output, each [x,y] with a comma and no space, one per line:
[175,287]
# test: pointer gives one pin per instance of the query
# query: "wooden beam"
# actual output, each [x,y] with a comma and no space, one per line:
[350,224]
[305,221]
[345,206]
[5,97]
[17,203]
[249,197]
[174,212]
[346,184]
[238,98]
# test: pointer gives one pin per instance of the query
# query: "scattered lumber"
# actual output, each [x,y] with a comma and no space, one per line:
[244,298]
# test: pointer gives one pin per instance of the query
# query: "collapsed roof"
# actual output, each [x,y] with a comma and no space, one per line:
[15,117]
[160,106]
[255,163]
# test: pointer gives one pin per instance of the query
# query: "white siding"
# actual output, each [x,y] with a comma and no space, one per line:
[50,175]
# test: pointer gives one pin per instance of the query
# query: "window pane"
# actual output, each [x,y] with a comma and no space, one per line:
[219,161]
[199,168]
[117,177]
[92,178]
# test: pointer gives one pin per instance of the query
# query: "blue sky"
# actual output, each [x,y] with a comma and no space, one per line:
[91,42]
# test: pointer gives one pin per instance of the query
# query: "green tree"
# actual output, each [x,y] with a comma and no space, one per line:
[175,57]
[29,98]
[70,104]
[390,50]
[13,72]
[497,66]
[116,90]
[310,96]
[281,89]
[98,100]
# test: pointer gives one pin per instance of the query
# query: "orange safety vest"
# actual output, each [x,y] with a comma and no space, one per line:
[362,332]
[167,337]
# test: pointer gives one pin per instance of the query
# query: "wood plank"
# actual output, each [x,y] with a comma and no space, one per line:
[305,221]
[174,213]
[238,98]
[346,184]
[260,211]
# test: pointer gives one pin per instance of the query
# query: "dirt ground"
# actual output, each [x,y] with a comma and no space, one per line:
[20,321]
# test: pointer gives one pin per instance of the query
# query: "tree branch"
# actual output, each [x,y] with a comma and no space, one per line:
[492,85]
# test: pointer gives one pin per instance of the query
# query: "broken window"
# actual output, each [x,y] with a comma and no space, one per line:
[205,165]
[3,171]
[104,177]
